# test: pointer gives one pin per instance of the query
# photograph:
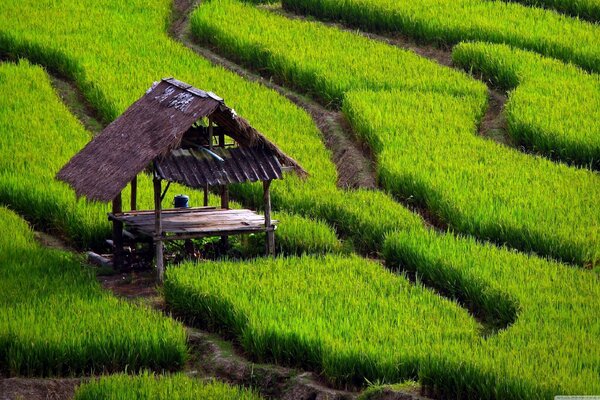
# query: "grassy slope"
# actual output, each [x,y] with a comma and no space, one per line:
[65,324]
[57,40]
[353,320]
[551,348]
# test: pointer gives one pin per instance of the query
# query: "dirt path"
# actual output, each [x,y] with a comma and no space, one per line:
[38,389]
[77,104]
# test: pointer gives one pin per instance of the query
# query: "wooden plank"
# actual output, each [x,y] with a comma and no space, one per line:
[165,211]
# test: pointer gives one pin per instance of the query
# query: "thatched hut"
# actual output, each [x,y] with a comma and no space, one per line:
[163,133]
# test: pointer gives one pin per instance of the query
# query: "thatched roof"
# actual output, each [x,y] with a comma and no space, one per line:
[149,129]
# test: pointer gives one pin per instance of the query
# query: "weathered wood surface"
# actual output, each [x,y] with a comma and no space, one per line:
[156,221]
[200,222]
[270,242]
[117,234]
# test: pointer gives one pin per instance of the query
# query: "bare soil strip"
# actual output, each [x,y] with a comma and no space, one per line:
[77,104]
[38,388]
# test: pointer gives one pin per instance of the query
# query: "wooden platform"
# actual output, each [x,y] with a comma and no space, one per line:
[185,223]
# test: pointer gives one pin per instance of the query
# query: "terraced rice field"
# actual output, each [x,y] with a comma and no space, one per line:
[472,268]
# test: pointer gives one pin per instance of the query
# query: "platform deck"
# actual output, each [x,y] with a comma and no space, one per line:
[185,223]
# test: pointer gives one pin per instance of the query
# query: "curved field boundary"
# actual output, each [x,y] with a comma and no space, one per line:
[90,59]
[348,317]
[551,349]
[453,21]
[553,107]
[421,124]
[353,320]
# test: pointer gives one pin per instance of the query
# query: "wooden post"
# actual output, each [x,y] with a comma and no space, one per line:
[270,242]
[134,193]
[224,206]
[210,134]
[158,243]
[117,234]
[205,195]
[221,139]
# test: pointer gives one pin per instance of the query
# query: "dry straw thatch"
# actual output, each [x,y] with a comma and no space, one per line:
[149,129]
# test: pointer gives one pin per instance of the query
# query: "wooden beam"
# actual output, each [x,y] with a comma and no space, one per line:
[270,242]
[117,234]
[158,244]
[134,193]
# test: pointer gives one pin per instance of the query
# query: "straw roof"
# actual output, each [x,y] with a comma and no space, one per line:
[149,129]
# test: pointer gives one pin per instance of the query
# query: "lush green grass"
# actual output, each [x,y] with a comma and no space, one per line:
[553,107]
[433,156]
[293,52]
[169,387]
[43,32]
[584,9]
[135,31]
[453,21]
[56,320]
[345,316]
[353,320]
[552,347]
[420,119]
[35,146]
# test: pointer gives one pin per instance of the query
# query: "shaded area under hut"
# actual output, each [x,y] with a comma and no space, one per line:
[163,133]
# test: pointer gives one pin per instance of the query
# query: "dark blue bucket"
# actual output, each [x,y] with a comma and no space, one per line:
[182,201]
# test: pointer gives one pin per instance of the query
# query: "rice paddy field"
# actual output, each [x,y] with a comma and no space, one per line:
[472,268]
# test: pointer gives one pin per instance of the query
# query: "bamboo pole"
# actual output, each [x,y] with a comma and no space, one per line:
[224,206]
[158,244]
[134,193]
[117,234]
[270,242]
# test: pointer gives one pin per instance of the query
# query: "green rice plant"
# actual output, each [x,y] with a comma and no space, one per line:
[584,9]
[420,120]
[35,146]
[56,320]
[553,107]
[294,236]
[433,156]
[453,21]
[355,322]
[345,316]
[159,387]
[44,33]
[553,346]
[297,58]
